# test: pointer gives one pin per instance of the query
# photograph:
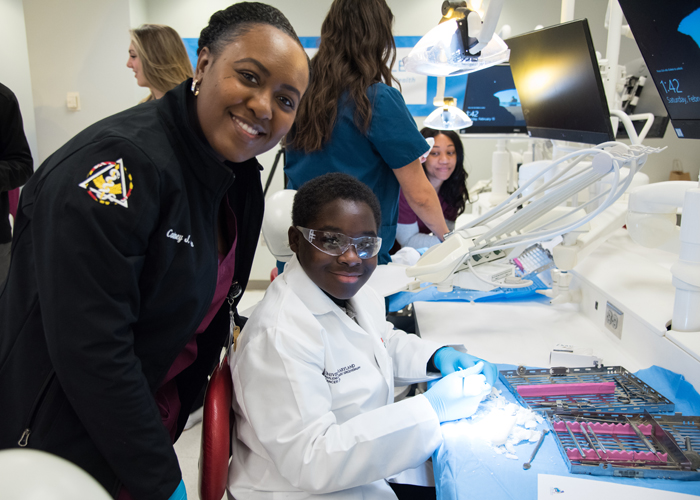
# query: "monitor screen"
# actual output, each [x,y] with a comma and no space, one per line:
[668,37]
[492,102]
[556,73]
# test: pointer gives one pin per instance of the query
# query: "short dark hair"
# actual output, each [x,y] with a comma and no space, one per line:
[228,24]
[320,191]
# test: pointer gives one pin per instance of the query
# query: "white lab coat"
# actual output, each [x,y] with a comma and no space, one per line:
[314,392]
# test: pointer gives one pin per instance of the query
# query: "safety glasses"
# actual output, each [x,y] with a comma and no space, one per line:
[336,244]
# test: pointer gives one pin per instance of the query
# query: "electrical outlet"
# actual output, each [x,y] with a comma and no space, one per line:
[613,319]
[73,101]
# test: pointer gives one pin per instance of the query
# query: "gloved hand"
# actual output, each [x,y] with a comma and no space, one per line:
[431,142]
[458,394]
[448,360]
[180,492]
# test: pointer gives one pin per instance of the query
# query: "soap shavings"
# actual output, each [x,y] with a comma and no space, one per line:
[503,424]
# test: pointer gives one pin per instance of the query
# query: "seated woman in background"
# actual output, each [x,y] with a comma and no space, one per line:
[158,58]
[444,167]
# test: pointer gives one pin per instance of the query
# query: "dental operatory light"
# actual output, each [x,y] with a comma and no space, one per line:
[448,117]
[461,43]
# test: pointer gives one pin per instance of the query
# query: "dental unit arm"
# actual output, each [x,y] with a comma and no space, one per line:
[651,222]
[577,245]
[507,230]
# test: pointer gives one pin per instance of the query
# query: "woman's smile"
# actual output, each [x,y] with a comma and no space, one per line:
[248,128]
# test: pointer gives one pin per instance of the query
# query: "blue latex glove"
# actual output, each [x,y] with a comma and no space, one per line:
[180,492]
[449,360]
[458,394]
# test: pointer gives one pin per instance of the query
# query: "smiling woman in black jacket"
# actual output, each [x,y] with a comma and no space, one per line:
[116,305]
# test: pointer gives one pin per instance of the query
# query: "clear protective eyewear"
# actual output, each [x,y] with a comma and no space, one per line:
[336,244]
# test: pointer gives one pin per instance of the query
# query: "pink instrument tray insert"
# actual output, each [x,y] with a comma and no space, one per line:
[566,389]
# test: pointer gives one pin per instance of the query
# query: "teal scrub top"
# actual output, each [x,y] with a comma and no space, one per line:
[392,141]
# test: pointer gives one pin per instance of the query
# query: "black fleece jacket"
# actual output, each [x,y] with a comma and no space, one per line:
[114,265]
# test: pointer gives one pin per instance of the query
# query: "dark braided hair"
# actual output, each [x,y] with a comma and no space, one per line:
[454,189]
[320,191]
[228,24]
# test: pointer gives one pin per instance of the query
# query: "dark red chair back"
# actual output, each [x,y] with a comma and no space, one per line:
[217,423]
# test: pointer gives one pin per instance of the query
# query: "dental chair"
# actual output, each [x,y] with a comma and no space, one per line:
[217,421]
[217,425]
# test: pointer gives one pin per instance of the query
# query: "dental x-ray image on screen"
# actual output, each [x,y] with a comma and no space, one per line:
[668,36]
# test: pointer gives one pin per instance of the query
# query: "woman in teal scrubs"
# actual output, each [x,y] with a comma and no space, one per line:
[351,120]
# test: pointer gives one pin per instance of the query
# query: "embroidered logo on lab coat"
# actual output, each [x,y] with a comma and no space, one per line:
[109,183]
[334,377]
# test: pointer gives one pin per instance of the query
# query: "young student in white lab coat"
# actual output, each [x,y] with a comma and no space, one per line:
[314,369]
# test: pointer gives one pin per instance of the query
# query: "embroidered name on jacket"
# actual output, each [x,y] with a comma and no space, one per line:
[109,183]
[334,377]
[179,237]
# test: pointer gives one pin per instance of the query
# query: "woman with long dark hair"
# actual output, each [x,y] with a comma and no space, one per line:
[351,119]
[444,168]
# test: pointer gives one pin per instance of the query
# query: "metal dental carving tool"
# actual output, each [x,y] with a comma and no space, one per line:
[526,465]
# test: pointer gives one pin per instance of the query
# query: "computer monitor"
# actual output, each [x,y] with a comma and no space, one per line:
[668,36]
[492,102]
[556,73]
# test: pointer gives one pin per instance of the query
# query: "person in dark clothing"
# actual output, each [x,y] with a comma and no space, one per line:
[133,244]
[16,166]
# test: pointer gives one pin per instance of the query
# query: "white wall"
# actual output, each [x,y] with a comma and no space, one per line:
[77,46]
[14,65]
[188,17]
[137,13]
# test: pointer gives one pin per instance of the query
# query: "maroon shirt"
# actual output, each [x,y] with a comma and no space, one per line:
[408,216]
[166,395]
